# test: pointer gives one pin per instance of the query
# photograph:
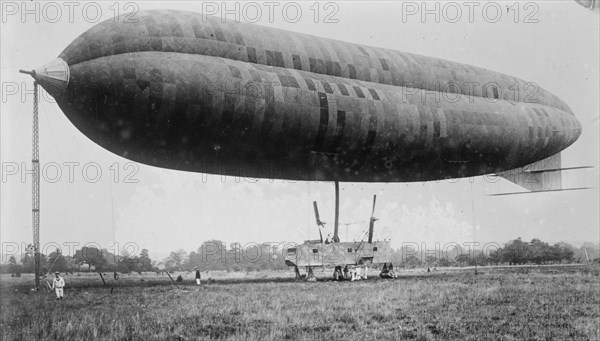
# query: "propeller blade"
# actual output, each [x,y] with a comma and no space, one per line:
[317,213]
[373,211]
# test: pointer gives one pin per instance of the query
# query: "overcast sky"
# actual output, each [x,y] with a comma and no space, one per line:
[166,210]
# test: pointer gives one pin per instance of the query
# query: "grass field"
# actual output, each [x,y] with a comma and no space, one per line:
[560,303]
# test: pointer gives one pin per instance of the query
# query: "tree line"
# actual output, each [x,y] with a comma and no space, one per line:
[84,259]
[216,255]
[514,252]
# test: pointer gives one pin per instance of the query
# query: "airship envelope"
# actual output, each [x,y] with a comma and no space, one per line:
[184,91]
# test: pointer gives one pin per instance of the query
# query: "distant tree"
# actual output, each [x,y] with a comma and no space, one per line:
[145,263]
[28,261]
[495,256]
[111,258]
[57,262]
[132,261]
[431,260]
[123,267]
[515,252]
[175,260]
[194,259]
[555,253]
[90,256]
[444,262]
[412,261]
[12,265]
[210,255]
[567,254]
[463,259]
[480,259]
[70,263]
[539,251]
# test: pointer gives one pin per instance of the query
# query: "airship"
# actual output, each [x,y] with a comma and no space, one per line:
[185,91]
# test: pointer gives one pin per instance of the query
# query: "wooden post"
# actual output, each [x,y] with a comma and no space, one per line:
[103,281]
[586,256]
[170,278]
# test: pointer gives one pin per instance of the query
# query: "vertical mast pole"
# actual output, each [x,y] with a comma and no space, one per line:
[35,190]
[336,238]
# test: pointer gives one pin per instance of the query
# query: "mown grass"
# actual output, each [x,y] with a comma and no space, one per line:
[455,305]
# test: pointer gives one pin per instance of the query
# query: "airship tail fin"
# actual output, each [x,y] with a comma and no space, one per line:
[541,176]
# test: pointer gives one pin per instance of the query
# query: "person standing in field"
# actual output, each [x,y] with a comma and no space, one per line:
[337,274]
[197,276]
[391,272]
[58,285]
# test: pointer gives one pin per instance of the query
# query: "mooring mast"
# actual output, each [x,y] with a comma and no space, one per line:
[53,76]
[35,184]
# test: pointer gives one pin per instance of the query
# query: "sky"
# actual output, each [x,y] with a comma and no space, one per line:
[133,206]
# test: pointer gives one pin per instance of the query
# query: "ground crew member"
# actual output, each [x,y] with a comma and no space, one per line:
[57,285]
[391,272]
[311,276]
[384,272]
[353,274]
[197,276]
[337,273]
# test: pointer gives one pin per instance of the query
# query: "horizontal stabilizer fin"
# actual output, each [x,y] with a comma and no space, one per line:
[549,190]
[559,169]
[543,175]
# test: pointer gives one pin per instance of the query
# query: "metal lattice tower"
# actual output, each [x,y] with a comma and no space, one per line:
[35,190]
[54,76]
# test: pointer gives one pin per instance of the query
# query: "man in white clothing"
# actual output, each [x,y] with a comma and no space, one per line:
[197,276]
[57,285]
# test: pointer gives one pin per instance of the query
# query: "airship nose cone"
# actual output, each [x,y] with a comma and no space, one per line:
[53,76]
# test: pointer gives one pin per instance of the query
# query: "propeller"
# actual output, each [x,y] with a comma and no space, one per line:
[319,222]
[372,220]
[373,211]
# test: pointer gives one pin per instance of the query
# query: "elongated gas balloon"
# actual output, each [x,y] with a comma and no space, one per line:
[184,91]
